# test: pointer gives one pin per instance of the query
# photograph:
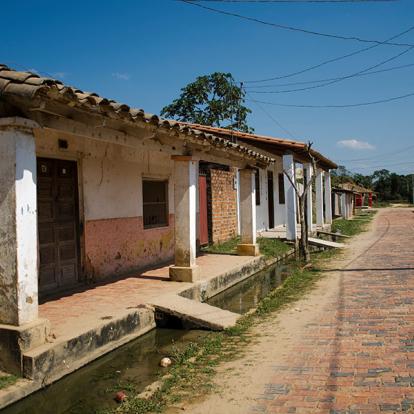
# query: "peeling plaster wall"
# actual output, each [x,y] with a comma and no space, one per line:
[110,188]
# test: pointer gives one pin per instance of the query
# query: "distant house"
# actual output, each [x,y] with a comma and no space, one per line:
[349,196]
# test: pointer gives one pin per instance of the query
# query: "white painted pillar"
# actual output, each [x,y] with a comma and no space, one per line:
[238,200]
[309,197]
[319,197]
[185,205]
[290,196]
[248,246]
[18,223]
[328,198]
[343,206]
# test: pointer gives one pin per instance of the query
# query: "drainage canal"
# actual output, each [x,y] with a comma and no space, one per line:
[135,365]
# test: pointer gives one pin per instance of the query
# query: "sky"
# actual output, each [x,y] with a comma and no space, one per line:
[142,52]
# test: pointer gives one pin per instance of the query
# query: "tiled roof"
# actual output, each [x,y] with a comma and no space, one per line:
[280,143]
[25,86]
[352,187]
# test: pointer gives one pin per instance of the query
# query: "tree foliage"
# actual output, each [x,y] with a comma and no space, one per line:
[213,100]
[388,185]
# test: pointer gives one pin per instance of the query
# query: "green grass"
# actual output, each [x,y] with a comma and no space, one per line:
[227,247]
[354,226]
[270,248]
[7,380]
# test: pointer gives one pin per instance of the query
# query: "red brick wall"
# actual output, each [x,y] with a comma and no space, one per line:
[223,205]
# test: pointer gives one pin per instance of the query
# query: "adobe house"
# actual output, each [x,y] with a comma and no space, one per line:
[90,189]
[275,199]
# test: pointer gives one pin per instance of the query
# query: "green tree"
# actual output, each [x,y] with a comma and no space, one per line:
[213,100]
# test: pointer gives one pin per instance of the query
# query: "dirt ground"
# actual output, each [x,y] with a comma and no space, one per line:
[259,383]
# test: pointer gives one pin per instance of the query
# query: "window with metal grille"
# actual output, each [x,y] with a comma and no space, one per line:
[281,186]
[155,203]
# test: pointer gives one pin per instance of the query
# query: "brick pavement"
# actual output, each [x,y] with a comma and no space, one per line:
[359,357]
[78,311]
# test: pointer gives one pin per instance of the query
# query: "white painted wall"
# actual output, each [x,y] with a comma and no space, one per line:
[280,213]
[262,217]
[111,175]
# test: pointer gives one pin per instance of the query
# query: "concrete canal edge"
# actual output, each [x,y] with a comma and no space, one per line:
[52,361]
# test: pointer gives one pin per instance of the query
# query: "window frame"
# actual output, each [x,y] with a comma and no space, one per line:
[166,202]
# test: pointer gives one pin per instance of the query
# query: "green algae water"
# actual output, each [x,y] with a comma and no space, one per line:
[91,389]
[247,294]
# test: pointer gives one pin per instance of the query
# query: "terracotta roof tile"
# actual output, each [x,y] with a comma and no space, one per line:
[285,144]
[28,85]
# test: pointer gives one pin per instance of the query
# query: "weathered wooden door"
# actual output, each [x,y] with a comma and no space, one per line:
[270,199]
[58,223]
[203,216]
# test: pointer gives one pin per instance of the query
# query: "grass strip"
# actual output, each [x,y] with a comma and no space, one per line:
[270,248]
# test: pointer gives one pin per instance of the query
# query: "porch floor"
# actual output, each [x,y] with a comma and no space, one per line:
[82,310]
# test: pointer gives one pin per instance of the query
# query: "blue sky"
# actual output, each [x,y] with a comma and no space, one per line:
[142,52]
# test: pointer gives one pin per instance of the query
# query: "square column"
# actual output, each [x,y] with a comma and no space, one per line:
[344,206]
[20,327]
[328,198]
[309,197]
[248,246]
[290,196]
[185,206]
[319,198]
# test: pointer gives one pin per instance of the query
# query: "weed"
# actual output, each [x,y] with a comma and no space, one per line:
[7,380]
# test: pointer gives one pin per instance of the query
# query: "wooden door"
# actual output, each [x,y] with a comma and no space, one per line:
[58,223]
[270,199]
[203,216]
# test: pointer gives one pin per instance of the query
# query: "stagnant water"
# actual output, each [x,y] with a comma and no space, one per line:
[92,388]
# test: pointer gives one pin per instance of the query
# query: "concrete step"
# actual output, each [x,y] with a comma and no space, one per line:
[197,313]
[328,233]
[325,243]
[54,359]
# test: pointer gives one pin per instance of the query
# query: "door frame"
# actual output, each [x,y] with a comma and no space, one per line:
[81,212]
[271,199]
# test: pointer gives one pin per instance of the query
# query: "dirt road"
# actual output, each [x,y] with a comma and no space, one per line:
[347,347]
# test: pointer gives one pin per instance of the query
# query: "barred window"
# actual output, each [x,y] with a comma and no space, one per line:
[155,203]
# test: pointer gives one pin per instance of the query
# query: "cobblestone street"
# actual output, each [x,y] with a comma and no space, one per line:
[359,358]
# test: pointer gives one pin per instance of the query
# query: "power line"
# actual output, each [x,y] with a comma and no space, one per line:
[394,98]
[330,79]
[332,60]
[296,1]
[292,28]
[339,79]
[385,165]
[376,157]
[271,117]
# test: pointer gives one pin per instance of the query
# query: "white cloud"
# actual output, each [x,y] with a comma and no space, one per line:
[355,144]
[121,76]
